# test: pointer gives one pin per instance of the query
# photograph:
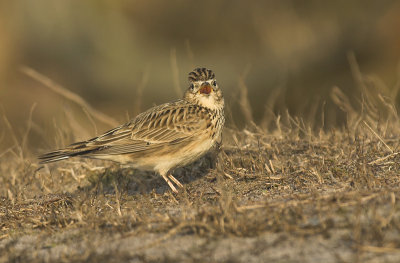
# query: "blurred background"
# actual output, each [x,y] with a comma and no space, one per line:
[123,57]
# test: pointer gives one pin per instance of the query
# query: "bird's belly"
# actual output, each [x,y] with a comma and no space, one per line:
[180,156]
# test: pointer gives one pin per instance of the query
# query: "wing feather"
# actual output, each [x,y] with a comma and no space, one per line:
[165,124]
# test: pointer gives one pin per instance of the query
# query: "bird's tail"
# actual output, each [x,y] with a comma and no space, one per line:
[76,149]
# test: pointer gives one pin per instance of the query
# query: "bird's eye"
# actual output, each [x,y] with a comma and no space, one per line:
[191,87]
[214,83]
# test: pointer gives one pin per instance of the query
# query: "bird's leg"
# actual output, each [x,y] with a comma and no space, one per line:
[175,180]
[169,183]
[214,156]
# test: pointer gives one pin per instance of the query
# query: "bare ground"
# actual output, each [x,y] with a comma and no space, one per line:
[284,196]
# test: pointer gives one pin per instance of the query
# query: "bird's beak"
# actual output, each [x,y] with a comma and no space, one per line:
[205,88]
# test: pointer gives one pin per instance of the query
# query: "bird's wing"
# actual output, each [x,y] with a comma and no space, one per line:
[169,123]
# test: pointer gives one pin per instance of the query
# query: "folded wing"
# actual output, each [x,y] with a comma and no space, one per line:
[169,123]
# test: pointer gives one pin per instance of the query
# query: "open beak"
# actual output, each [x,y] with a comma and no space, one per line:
[205,88]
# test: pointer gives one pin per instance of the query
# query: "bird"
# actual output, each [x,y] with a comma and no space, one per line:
[163,138]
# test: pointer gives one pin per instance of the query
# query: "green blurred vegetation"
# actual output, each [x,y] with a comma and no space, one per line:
[289,55]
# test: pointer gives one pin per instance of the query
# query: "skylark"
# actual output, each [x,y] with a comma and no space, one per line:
[164,137]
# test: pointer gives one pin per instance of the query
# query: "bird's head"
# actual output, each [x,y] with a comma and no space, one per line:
[203,89]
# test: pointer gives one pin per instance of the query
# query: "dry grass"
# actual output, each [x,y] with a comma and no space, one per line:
[294,192]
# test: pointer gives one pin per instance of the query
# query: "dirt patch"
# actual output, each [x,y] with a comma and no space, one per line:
[284,196]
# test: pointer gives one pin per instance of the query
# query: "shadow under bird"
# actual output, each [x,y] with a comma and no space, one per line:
[164,137]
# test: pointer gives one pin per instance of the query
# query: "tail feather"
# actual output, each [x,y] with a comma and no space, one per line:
[53,157]
[75,149]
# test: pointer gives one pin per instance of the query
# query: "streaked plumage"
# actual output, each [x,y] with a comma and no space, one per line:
[164,137]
